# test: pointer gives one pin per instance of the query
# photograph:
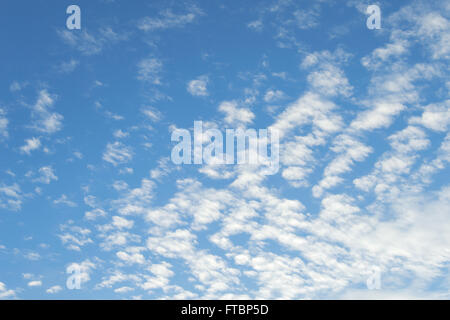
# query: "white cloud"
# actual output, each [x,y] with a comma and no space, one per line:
[306,19]
[435,116]
[163,169]
[149,70]
[330,80]
[33,256]
[30,145]
[123,290]
[3,124]
[35,283]
[91,43]
[117,153]
[45,120]
[119,134]
[137,200]
[54,289]
[381,55]
[74,237]
[234,115]
[273,95]
[11,197]
[133,258]
[5,293]
[17,86]
[256,25]
[197,87]
[122,223]
[94,214]
[68,66]
[309,109]
[152,113]
[47,174]
[64,200]
[381,115]
[167,19]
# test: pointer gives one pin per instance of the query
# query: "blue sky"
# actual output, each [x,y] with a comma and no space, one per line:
[87,180]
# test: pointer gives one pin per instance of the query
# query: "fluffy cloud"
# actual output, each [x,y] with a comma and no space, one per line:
[234,114]
[198,87]
[46,175]
[30,145]
[5,293]
[45,120]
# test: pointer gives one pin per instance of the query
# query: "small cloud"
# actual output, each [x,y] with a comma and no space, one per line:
[47,174]
[10,197]
[91,43]
[64,200]
[119,134]
[132,258]
[33,256]
[5,293]
[46,121]
[126,171]
[3,124]
[54,289]
[307,19]
[30,145]
[36,283]
[281,75]
[198,87]
[167,19]
[123,290]
[113,116]
[149,70]
[78,155]
[17,86]
[68,66]
[117,153]
[256,25]
[234,114]
[122,223]
[273,95]
[152,113]
[94,214]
